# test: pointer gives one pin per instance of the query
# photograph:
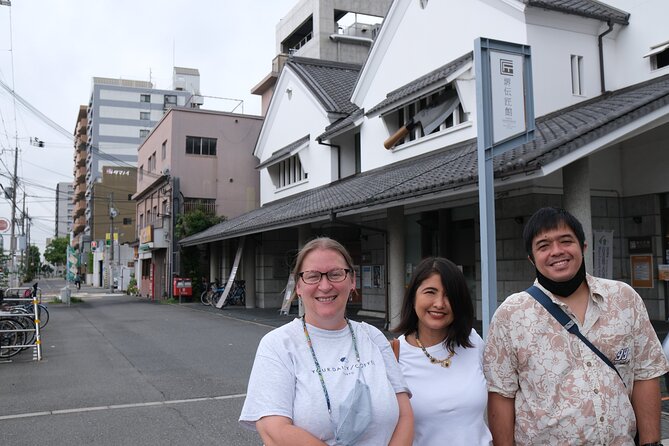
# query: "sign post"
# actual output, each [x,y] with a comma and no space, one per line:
[504,120]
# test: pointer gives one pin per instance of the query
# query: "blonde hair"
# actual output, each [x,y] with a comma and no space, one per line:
[320,243]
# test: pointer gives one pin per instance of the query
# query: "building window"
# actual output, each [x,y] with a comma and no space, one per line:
[145,116]
[170,101]
[143,133]
[446,97]
[127,221]
[144,98]
[206,205]
[291,171]
[141,172]
[577,75]
[152,162]
[658,56]
[163,151]
[141,220]
[196,145]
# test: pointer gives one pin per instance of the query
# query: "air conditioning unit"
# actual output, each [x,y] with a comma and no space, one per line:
[165,171]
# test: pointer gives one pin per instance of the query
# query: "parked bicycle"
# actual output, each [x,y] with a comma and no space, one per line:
[237,295]
[213,291]
[19,322]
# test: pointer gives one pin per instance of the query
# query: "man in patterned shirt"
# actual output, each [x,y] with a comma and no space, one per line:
[546,387]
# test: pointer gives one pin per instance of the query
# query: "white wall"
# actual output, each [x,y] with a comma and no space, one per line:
[647,27]
[121,130]
[289,118]
[554,38]
[415,41]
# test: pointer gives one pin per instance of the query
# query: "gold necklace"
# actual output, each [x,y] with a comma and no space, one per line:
[446,363]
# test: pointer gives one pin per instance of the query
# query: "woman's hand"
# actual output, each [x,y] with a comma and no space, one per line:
[276,430]
[403,435]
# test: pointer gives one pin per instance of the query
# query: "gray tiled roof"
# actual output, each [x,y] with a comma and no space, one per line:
[339,125]
[283,152]
[585,8]
[556,135]
[331,82]
[422,83]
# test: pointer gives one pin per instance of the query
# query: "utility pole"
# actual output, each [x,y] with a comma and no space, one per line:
[112,214]
[12,241]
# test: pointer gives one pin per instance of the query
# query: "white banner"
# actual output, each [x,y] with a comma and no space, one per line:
[602,254]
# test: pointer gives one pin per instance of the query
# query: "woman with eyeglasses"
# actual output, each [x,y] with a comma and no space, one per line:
[323,379]
[441,357]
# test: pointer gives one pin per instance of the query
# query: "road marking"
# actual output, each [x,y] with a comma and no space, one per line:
[119,406]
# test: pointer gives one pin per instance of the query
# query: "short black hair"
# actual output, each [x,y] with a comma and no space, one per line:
[549,218]
[455,285]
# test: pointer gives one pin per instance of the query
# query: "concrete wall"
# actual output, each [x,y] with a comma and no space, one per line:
[229,177]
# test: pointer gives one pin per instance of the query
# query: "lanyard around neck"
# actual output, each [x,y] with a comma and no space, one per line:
[318,367]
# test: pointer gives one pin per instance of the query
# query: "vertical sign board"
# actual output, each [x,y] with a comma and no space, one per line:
[504,120]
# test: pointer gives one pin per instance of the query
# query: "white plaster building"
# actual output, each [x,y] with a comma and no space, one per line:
[601,100]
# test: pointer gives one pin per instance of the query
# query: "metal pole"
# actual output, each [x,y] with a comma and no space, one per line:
[12,242]
[111,242]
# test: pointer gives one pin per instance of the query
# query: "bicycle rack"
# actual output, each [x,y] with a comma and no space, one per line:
[37,344]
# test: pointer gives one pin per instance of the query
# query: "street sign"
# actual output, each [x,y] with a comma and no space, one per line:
[504,120]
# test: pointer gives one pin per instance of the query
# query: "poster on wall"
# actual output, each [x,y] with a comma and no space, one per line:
[356,268]
[663,272]
[641,267]
[603,254]
[377,276]
[366,276]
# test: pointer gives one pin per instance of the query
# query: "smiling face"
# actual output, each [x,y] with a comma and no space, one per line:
[432,308]
[325,302]
[557,253]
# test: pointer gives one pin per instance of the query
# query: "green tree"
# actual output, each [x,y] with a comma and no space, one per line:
[56,252]
[31,264]
[195,221]
[191,259]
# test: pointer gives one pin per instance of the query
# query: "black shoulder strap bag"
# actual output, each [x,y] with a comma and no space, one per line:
[564,320]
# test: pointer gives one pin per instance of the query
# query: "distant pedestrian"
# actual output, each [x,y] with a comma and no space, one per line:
[77,281]
[548,386]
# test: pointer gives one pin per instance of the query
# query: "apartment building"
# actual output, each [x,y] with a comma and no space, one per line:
[193,159]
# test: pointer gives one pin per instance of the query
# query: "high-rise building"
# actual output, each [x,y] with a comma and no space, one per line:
[64,209]
[121,114]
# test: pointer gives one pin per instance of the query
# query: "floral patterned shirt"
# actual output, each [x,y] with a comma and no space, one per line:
[564,393]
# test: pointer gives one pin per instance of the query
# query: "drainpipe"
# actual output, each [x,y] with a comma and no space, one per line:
[601,54]
[334,146]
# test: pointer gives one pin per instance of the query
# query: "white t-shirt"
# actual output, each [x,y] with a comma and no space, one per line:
[448,403]
[284,380]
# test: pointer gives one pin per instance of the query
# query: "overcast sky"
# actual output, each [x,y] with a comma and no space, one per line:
[50,50]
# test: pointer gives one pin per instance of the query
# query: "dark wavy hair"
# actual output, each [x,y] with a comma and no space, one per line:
[548,218]
[458,295]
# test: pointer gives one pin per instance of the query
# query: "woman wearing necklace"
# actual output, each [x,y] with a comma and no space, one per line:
[441,357]
[322,379]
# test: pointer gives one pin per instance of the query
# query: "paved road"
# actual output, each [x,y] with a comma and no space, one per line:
[119,370]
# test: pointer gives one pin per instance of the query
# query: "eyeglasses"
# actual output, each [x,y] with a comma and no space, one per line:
[334,275]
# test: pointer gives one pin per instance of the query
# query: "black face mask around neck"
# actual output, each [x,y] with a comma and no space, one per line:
[566,288]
